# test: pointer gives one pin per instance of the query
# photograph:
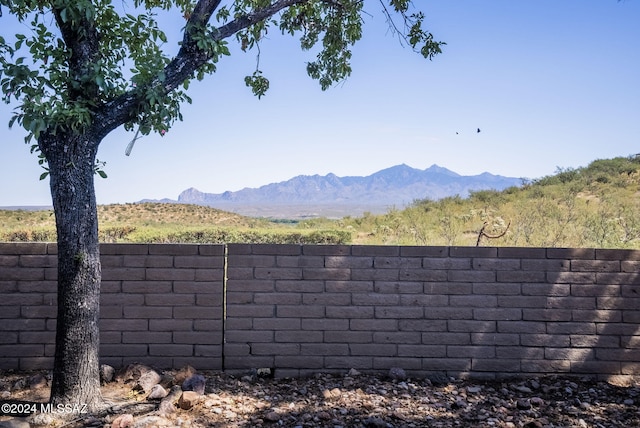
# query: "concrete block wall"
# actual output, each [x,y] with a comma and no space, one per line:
[466,311]
[160,305]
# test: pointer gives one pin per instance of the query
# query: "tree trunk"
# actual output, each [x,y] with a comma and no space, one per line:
[76,379]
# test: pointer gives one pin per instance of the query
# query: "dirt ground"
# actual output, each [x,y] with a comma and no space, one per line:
[349,400]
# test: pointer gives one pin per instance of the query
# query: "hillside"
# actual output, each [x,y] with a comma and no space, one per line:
[594,206]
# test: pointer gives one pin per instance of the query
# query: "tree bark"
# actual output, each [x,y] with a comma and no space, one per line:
[76,379]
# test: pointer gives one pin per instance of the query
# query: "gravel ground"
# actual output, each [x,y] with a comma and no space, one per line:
[354,400]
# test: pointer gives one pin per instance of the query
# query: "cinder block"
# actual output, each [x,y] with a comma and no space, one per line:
[169,299]
[350,262]
[422,251]
[174,249]
[546,265]
[545,366]
[573,277]
[180,325]
[473,326]
[297,311]
[595,265]
[326,250]
[32,312]
[441,338]
[340,362]
[290,361]
[471,276]
[8,338]
[170,274]
[23,274]
[596,341]
[596,367]
[534,289]
[546,314]
[395,262]
[615,254]
[300,261]
[146,337]
[123,273]
[397,337]
[123,324]
[146,286]
[326,274]
[276,349]
[348,337]
[328,349]
[170,350]
[277,298]
[367,325]
[545,340]
[302,286]
[498,314]
[521,276]
[571,303]
[421,351]
[473,252]
[399,312]
[375,250]
[197,261]
[37,337]
[194,312]
[494,339]
[197,337]
[447,263]
[123,350]
[624,278]
[496,365]
[407,364]
[522,253]
[294,336]
[475,301]
[35,363]
[430,275]
[147,312]
[140,261]
[397,287]
[374,349]
[529,327]
[474,352]
[369,299]
[277,324]
[496,263]
[571,253]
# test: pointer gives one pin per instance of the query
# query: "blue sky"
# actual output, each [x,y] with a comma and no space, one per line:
[551,83]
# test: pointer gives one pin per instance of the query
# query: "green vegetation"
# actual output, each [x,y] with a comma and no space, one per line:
[594,206]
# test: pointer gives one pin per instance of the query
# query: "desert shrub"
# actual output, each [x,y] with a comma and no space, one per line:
[115,233]
[29,235]
[248,236]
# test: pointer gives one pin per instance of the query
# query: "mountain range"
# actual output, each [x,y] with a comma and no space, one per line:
[335,197]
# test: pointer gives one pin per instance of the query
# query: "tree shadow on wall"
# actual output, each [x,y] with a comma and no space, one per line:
[598,305]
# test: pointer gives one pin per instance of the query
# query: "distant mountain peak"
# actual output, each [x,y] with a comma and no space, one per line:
[395,186]
[441,170]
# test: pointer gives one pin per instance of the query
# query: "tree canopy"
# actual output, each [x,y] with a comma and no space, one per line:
[88,66]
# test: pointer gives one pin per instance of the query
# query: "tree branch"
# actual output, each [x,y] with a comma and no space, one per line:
[82,40]
[120,110]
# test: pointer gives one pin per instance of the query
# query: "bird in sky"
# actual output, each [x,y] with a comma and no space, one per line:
[478,130]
